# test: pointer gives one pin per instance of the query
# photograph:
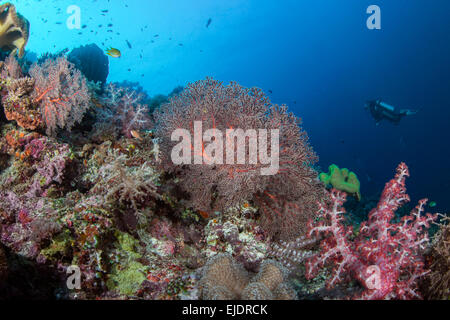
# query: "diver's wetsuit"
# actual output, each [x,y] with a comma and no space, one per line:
[381,110]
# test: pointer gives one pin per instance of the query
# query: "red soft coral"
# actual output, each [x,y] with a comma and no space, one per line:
[386,256]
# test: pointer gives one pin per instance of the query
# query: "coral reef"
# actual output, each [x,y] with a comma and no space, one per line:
[29,218]
[46,219]
[436,284]
[16,96]
[124,109]
[128,184]
[108,199]
[54,95]
[270,283]
[127,276]
[237,233]
[286,220]
[14,30]
[154,102]
[224,279]
[292,253]
[386,257]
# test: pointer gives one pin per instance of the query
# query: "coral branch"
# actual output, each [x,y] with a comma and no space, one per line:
[386,257]
[62,93]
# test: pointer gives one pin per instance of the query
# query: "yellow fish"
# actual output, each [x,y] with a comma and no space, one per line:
[113,52]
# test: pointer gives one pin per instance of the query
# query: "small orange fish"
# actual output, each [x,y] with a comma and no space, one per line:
[204,214]
[135,134]
[246,205]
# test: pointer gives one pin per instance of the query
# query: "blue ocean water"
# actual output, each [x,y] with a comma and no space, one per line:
[318,57]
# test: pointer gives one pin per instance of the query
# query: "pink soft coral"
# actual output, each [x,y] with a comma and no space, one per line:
[386,256]
[126,108]
[62,93]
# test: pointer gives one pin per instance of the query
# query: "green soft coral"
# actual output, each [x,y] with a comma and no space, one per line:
[60,246]
[129,280]
[127,275]
[342,179]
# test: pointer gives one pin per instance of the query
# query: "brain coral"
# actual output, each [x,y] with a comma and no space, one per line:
[224,279]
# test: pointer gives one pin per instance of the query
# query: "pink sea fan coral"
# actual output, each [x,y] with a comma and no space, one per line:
[61,92]
[11,69]
[386,257]
[15,91]
[220,107]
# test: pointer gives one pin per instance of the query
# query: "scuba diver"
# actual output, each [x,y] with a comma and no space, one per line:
[381,110]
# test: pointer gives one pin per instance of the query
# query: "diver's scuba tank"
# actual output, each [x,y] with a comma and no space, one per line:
[385,106]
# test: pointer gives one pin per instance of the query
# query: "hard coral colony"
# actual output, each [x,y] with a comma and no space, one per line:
[86,179]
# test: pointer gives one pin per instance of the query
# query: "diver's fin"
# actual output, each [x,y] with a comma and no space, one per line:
[408,112]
